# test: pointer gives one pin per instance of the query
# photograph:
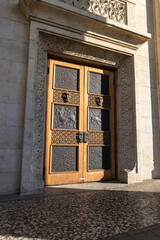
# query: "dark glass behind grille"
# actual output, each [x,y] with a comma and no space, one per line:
[98,119]
[66,78]
[64,159]
[99,158]
[98,83]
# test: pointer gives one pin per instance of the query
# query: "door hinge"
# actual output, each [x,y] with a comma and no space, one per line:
[48,70]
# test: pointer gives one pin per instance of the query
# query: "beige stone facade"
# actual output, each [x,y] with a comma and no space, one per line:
[124,39]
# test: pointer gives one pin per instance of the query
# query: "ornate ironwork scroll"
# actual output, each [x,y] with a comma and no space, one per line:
[113,9]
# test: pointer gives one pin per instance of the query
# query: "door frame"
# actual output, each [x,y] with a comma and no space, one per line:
[70,176]
[108,174]
[69,62]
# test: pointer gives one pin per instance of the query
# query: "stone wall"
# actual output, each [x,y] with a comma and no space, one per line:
[14,34]
[148,139]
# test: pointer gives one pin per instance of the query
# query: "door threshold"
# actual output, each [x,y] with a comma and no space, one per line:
[82,187]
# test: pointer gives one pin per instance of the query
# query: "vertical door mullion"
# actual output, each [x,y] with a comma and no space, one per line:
[85,119]
[81,124]
[112,150]
[49,121]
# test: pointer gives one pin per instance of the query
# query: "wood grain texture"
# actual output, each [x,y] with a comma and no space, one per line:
[69,137]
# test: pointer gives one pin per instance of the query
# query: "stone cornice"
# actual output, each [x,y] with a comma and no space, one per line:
[65,16]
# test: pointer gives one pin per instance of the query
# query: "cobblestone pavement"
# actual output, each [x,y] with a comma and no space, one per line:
[88,215]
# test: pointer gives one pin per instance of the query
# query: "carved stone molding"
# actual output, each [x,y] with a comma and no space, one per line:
[83,4]
[113,9]
[126,128]
[87,26]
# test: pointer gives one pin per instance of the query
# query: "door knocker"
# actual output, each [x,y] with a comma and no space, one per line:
[66,97]
[99,101]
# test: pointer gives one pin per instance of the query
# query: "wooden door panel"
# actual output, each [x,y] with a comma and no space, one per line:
[99,118]
[64,122]
[80,100]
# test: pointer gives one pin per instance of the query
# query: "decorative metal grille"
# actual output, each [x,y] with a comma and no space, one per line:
[113,9]
[64,137]
[99,138]
[58,96]
[98,83]
[64,159]
[106,103]
[99,158]
[66,78]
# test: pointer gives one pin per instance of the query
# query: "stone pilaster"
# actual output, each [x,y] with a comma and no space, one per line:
[157,48]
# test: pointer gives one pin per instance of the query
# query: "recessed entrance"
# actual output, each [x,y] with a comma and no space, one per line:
[80,124]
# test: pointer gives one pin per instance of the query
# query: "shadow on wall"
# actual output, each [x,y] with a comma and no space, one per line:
[154,95]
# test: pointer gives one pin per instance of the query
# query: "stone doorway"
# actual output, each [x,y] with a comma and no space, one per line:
[122,65]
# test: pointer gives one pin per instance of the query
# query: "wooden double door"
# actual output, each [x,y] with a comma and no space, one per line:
[79,124]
